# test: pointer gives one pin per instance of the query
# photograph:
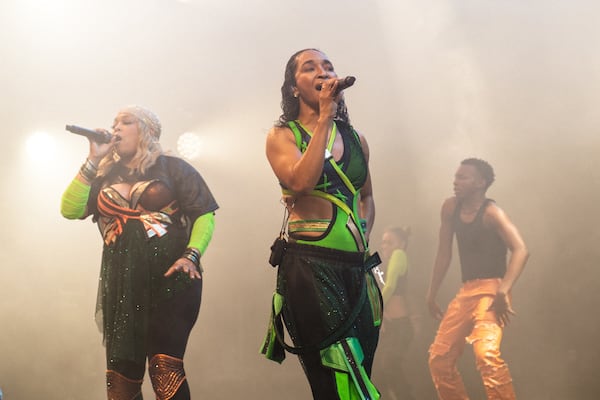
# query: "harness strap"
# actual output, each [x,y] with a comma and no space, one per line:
[356,230]
[336,334]
[345,358]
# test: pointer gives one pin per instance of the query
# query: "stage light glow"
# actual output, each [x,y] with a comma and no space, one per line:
[189,145]
[40,147]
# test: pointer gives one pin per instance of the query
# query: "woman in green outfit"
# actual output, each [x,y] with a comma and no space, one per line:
[325,292]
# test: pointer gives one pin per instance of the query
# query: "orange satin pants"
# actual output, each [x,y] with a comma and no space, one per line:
[467,320]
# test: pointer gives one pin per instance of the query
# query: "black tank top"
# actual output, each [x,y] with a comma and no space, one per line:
[482,251]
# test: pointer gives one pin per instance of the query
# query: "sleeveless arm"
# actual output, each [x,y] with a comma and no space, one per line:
[443,256]
[367,201]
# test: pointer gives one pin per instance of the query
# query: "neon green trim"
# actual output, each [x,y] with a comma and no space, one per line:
[344,207]
[202,232]
[308,225]
[342,175]
[338,237]
[374,300]
[271,348]
[343,386]
[334,357]
[298,135]
[347,382]
[74,200]
[329,147]
[340,242]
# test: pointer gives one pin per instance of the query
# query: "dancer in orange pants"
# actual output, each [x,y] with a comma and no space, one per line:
[482,307]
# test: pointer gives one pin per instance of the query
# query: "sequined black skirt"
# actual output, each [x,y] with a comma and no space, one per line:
[132,284]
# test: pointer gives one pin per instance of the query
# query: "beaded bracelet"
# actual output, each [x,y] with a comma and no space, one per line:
[88,170]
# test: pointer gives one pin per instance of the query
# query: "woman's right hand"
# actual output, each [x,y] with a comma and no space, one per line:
[328,100]
[184,266]
[99,150]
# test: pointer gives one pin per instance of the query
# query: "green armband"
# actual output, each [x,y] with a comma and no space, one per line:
[74,200]
[202,232]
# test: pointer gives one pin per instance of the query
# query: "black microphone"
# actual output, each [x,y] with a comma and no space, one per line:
[98,137]
[343,83]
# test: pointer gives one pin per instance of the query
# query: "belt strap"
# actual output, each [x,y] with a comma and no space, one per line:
[337,333]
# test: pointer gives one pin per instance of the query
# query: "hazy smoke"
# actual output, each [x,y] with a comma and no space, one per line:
[516,83]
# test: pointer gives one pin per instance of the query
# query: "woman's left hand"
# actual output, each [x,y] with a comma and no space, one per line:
[186,266]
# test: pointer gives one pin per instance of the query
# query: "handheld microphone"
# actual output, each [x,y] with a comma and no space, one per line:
[343,83]
[98,137]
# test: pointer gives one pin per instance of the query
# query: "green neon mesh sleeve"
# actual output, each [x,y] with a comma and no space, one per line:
[202,232]
[74,200]
[397,267]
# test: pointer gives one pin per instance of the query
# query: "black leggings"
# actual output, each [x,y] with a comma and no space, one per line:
[169,328]
[391,352]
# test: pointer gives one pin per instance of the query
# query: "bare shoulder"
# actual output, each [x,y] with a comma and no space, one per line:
[279,138]
[494,215]
[361,137]
[495,218]
[278,132]
[359,133]
[448,207]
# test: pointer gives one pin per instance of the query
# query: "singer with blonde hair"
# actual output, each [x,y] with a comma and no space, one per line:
[155,214]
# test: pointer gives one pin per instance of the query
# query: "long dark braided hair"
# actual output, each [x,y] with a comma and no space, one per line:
[290,105]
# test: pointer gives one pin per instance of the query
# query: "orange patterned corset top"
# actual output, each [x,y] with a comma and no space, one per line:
[150,202]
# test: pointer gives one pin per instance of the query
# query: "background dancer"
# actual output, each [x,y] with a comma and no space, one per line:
[482,307]
[399,321]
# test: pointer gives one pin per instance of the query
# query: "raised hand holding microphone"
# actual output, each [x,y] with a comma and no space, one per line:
[343,83]
[330,91]
[101,142]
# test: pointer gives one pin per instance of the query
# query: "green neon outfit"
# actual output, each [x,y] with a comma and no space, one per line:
[325,292]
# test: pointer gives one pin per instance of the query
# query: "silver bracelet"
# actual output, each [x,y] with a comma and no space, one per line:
[88,170]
